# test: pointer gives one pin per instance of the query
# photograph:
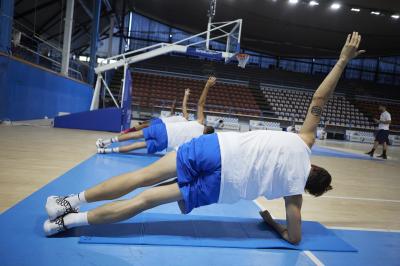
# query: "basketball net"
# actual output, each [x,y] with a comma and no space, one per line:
[242,60]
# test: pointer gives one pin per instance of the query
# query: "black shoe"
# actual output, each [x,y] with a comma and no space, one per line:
[370,153]
[383,156]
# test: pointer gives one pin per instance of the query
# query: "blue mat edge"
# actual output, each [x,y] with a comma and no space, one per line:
[284,245]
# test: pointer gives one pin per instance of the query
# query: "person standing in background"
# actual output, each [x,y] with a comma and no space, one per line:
[382,137]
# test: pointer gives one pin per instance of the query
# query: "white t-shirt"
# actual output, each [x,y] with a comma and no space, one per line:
[182,132]
[385,116]
[173,119]
[273,164]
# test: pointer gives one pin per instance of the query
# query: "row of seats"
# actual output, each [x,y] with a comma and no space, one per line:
[157,90]
[370,107]
[286,103]
[289,104]
[263,75]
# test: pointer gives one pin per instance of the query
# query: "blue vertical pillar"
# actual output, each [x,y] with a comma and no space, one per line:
[6,19]
[94,40]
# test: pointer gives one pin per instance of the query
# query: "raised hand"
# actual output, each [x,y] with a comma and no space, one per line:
[350,49]
[187,92]
[211,81]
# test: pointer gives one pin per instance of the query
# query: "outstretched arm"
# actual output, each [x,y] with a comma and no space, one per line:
[292,231]
[202,101]
[172,111]
[184,104]
[327,87]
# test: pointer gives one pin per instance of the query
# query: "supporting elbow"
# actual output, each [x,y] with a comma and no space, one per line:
[294,240]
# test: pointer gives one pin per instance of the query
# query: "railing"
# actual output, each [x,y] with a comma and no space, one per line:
[30,46]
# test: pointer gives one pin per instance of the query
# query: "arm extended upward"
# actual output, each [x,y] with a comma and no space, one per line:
[202,101]
[327,87]
[184,104]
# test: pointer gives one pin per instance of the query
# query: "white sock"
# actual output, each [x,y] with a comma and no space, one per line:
[77,199]
[75,219]
[109,141]
[111,150]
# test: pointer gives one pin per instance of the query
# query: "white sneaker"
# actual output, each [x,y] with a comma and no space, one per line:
[100,144]
[101,150]
[58,206]
[54,227]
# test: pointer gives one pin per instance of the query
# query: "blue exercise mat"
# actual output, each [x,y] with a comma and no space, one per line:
[209,231]
[323,151]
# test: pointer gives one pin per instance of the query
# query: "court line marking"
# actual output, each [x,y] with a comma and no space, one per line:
[313,258]
[364,229]
[357,198]
[308,253]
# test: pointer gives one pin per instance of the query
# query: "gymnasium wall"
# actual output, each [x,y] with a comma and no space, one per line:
[30,92]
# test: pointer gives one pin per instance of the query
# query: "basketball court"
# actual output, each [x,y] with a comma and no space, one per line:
[48,143]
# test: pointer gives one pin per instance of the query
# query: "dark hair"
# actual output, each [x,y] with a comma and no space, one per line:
[318,181]
[208,130]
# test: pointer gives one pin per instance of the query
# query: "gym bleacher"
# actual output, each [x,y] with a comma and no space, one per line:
[236,98]
[289,104]
[158,90]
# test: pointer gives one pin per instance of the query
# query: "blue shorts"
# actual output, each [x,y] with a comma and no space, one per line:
[198,166]
[156,138]
[382,136]
[156,121]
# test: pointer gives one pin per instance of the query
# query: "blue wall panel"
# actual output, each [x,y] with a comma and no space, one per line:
[28,92]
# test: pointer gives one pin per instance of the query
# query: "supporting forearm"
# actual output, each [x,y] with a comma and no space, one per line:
[280,229]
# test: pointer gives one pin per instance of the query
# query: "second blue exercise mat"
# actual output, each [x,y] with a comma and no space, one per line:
[208,231]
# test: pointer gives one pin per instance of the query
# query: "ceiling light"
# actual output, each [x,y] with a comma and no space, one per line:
[395,16]
[336,6]
[293,2]
[355,9]
[376,13]
[313,3]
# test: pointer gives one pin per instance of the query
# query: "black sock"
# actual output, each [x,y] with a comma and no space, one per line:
[384,153]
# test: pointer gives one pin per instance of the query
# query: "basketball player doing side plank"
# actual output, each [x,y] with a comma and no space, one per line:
[218,168]
[163,134]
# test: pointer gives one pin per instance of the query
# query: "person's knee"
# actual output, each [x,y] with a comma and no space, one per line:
[146,199]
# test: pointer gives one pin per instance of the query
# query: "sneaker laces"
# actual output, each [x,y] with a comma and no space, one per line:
[60,223]
[62,201]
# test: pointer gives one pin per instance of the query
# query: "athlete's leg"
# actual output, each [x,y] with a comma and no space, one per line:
[125,148]
[142,125]
[115,211]
[115,187]
[121,210]
[132,147]
[118,186]
[371,152]
[383,155]
[131,135]
[102,143]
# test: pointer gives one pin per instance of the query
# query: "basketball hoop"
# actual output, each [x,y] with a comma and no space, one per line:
[242,59]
